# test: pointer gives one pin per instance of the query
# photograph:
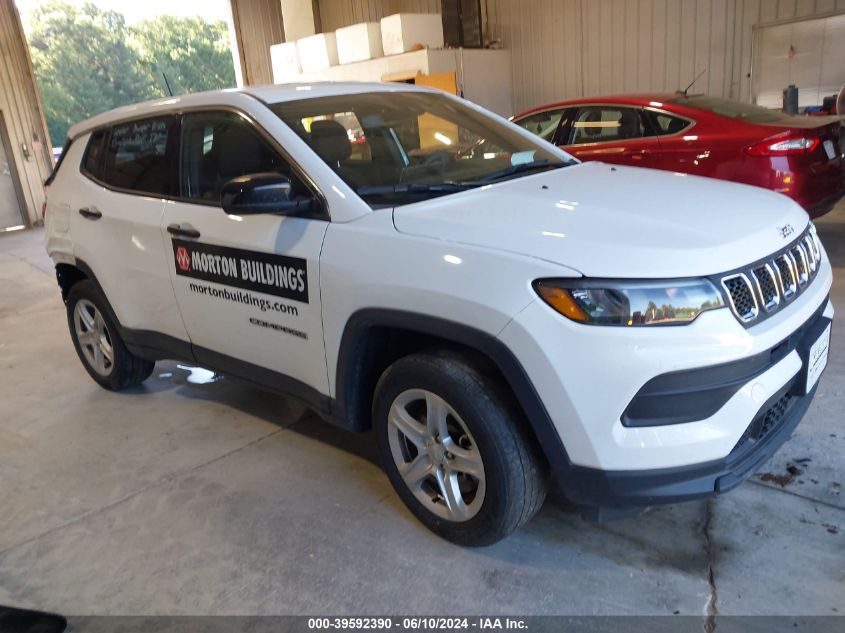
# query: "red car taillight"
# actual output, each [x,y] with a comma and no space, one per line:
[783,145]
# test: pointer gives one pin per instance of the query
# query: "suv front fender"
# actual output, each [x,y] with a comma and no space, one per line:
[363,354]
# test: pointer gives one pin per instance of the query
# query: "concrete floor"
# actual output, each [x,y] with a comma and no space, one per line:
[216,498]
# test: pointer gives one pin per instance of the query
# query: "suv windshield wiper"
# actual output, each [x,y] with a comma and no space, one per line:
[421,188]
[519,168]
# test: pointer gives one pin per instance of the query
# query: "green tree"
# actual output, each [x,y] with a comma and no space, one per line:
[83,63]
[194,54]
[88,60]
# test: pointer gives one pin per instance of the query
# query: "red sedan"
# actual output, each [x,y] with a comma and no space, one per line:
[802,157]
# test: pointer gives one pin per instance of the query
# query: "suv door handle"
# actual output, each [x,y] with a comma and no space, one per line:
[90,213]
[183,231]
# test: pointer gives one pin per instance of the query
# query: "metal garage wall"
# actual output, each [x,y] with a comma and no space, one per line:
[335,14]
[257,25]
[569,48]
[20,105]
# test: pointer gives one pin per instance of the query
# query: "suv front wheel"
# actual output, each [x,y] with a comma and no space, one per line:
[98,343]
[455,448]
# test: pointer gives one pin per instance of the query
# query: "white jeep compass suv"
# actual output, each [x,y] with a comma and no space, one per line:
[404,260]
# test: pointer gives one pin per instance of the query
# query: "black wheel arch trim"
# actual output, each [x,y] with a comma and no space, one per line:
[353,348]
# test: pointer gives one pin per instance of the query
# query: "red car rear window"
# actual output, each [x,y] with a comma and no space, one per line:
[732,109]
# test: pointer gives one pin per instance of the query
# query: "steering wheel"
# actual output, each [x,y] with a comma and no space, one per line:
[439,161]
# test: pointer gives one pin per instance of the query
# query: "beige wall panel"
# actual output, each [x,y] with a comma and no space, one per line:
[563,49]
[258,25]
[335,14]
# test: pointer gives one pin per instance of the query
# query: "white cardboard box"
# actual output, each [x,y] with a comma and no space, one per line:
[359,42]
[285,61]
[317,52]
[401,32]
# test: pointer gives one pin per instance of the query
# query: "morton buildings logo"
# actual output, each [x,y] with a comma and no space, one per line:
[269,273]
[183,258]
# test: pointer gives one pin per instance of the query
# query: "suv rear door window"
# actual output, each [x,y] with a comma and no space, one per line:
[137,156]
[602,124]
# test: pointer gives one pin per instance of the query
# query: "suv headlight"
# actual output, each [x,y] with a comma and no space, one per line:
[630,303]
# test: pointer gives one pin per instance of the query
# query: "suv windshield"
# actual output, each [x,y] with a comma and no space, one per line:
[400,147]
[732,109]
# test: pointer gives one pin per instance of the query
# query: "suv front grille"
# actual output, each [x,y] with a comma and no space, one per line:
[767,286]
[742,297]
[801,267]
[787,275]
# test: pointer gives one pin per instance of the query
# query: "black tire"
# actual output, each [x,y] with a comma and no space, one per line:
[125,370]
[515,472]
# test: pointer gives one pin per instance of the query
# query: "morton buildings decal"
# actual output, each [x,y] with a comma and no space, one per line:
[262,272]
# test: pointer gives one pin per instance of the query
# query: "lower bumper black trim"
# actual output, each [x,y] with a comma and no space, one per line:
[695,394]
[616,490]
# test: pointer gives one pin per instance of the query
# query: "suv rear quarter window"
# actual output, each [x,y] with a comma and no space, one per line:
[92,161]
[137,156]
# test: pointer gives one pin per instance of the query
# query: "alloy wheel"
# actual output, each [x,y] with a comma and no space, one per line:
[436,455]
[93,336]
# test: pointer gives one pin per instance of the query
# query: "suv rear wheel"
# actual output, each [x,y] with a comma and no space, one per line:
[456,450]
[98,343]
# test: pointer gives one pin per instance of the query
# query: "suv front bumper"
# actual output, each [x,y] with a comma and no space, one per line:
[771,427]
[589,377]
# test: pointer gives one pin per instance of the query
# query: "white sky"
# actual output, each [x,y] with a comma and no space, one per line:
[136,10]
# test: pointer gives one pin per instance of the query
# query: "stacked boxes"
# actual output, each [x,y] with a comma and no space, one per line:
[317,52]
[359,42]
[403,32]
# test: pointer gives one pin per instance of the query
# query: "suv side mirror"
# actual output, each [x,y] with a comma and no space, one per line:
[262,193]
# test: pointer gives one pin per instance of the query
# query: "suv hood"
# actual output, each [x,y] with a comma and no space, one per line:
[614,221]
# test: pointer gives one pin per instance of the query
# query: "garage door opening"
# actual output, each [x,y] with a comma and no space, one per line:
[94,56]
[805,53]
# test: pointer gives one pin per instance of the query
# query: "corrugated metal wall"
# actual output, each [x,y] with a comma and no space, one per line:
[568,48]
[335,14]
[20,106]
[257,25]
